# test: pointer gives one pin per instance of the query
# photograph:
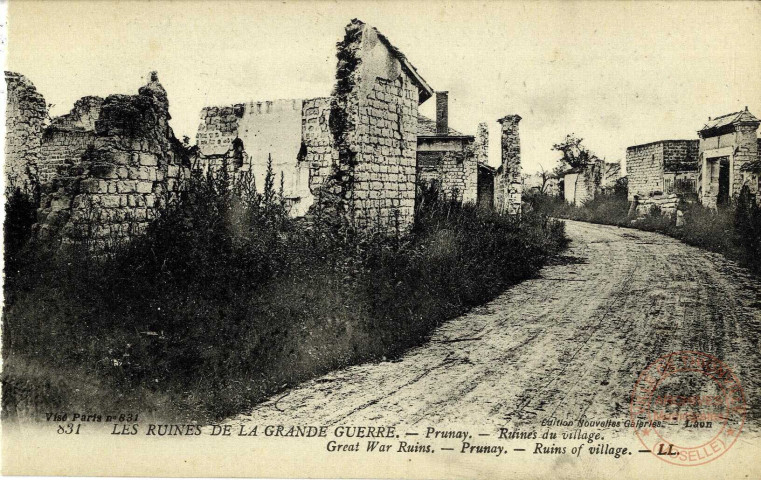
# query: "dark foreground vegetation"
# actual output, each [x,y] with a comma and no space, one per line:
[733,230]
[225,301]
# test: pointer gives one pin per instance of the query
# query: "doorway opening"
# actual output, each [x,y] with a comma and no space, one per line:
[723,197]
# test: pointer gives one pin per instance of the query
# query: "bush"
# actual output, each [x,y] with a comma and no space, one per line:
[20,215]
[606,209]
[225,301]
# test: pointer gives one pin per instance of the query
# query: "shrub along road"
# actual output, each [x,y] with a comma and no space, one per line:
[569,342]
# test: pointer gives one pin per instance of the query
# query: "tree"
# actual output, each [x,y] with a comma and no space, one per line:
[546,177]
[575,155]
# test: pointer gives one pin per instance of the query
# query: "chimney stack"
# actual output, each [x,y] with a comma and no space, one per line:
[442,113]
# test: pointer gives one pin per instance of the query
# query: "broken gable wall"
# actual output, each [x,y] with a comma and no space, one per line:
[352,153]
[374,123]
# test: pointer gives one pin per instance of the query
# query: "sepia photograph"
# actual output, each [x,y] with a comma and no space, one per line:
[381,239]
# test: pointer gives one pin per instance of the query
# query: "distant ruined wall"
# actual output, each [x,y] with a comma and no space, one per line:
[647,164]
[133,165]
[374,124]
[26,113]
[509,185]
[246,136]
[582,184]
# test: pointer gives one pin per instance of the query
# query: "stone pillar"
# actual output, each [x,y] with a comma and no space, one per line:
[746,152]
[510,181]
[442,113]
[482,144]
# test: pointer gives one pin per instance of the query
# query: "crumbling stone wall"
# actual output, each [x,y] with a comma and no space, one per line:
[318,153]
[647,164]
[644,167]
[746,152]
[246,136]
[509,185]
[353,153]
[132,167]
[666,204]
[581,184]
[25,117]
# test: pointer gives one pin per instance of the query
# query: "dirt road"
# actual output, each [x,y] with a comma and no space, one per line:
[571,341]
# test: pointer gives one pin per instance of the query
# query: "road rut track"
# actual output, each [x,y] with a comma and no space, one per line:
[570,342]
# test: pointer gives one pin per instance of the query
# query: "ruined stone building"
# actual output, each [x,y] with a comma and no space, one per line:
[454,164]
[715,166]
[582,184]
[109,164]
[354,152]
[729,157]
[664,167]
[364,150]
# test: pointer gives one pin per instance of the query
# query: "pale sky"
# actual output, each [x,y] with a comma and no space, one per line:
[616,74]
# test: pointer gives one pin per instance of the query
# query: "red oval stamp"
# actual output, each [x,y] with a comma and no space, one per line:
[688,408]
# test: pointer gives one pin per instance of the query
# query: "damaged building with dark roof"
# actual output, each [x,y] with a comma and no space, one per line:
[452,163]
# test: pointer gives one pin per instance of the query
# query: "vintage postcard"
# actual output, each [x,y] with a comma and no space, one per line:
[408,240]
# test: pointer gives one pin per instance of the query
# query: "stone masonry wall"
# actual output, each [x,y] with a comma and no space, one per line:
[318,153]
[745,153]
[26,114]
[450,165]
[667,204]
[681,155]
[644,167]
[133,166]
[509,185]
[247,136]
[481,145]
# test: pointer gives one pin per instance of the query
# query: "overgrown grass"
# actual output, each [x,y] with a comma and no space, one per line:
[225,301]
[733,230]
